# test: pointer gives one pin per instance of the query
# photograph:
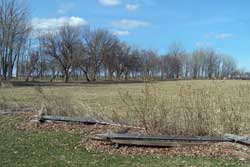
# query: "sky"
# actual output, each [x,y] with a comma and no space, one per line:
[155,24]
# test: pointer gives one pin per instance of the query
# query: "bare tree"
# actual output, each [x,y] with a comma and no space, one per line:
[64,46]
[14,30]
[228,66]
[150,63]
[197,63]
[32,64]
[213,63]
[111,59]
[98,44]
[176,52]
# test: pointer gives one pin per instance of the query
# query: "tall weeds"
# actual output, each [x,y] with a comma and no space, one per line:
[208,110]
[53,104]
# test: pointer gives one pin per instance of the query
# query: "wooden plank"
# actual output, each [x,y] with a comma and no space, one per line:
[89,121]
[113,136]
[156,143]
[245,140]
[168,141]
[69,119]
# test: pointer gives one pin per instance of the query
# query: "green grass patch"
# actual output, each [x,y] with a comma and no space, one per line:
[22,148]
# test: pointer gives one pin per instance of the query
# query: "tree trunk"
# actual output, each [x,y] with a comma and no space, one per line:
[10,65]
[86,75]
[4,72]
[111,75]
[66,76]
[126,76]
[17,67]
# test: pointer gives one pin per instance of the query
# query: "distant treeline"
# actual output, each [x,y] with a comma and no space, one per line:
[75,52]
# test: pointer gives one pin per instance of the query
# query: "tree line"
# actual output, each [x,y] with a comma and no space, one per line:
[82,53]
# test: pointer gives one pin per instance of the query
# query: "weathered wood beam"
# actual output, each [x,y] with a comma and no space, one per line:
[245,140]
[156,143]
[114,136]
[69,119]
[88,121]
[167,141]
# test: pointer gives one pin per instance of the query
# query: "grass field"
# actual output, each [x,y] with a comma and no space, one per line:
[106,95]
[155,103]
[59,148]
[201,106]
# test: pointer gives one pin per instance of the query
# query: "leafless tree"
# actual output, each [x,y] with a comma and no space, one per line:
[14,30]
[98,44]
[228,66]
[176,53]
[197,63]
[63,46]
[111,59]
[150,63]
[32,64]
[213,63]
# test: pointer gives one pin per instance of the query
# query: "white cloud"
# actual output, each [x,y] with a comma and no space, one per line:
[130,24]
[121,33]
[65,7]
[109,2]
[132,7]
[224,36]
[54,23]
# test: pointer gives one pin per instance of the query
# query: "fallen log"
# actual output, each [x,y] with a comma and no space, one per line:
[164,141]
[87,121]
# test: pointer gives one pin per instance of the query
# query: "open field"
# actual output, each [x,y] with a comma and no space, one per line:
[171,107]
[178,107]
[106,95]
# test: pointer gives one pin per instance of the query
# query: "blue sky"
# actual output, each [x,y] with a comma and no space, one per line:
[155,24]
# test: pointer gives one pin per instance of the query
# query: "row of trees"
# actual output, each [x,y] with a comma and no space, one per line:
[80,52]
[14,31]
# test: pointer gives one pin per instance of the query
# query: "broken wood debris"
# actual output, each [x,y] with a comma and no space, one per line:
[142,140]
[87,121]
[245,140]
[165,141]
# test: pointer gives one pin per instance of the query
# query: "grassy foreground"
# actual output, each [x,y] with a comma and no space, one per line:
[19,148]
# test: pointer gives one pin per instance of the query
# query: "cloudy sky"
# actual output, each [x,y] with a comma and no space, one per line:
[154,24]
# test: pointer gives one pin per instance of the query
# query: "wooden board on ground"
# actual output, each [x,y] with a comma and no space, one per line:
[156,143]
[245,140]
[111,135]
[69,119]
[88,121]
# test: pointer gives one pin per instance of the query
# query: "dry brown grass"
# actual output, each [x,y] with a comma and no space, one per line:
[174,107]
[207,110]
